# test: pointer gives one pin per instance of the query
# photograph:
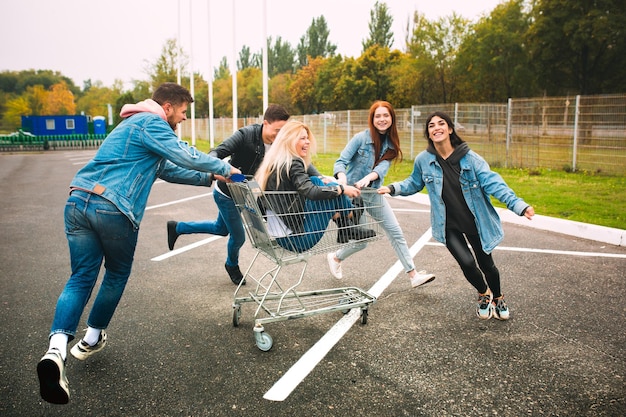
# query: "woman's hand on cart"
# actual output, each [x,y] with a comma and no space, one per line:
[351,191]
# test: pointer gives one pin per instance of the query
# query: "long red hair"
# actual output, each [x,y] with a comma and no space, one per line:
[377,138]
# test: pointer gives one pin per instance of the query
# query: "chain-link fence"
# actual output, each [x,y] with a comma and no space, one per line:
[565,133]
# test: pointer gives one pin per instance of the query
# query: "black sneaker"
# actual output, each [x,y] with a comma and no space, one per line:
[53,384]
[235,274]
[171,234]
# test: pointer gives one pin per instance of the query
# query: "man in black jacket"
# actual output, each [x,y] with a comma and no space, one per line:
[246,148]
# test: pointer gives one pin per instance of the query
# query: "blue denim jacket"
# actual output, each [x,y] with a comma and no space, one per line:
[134,155]
[358,159]
[478,182]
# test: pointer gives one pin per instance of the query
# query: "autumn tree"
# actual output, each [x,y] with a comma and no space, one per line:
[96,99]
[303,87]
[379,27]
[278,92]
[59,100]
[249,92]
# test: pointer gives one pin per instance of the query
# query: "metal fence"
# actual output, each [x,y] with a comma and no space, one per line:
[583,133]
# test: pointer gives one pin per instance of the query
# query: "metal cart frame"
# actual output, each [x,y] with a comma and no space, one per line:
[274,301]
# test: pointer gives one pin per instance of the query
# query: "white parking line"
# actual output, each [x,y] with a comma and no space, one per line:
[296,374]
[552,251]
[185,248]
[182,200]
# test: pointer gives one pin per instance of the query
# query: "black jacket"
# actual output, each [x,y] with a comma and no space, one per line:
[291,205]
[246,150]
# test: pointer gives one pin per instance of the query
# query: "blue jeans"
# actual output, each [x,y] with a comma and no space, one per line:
[228,222]
[315,222]
[96,230]
[381,211]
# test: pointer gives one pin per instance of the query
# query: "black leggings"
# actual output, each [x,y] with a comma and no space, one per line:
[457,245]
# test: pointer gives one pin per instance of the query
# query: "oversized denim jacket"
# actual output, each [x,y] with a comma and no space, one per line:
[134,155]
[478,183]
[358,158]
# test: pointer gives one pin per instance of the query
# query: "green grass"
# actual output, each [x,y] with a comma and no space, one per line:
[579,196]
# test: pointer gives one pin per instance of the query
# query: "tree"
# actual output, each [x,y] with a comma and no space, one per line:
[59,100]
[492,62]
[579,46]
[247,59]
[15,109]
[380,27]
[126,98]
[222,71]
[250,95]
[95,100]
[315,42]
[279,90]
[165,69]
[303,87]
[280,57]
[435,45]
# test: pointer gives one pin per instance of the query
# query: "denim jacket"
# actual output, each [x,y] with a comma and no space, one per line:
[478,183]
[358,159]
[134,155]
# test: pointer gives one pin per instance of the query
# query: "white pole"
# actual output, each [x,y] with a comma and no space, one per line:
[576,121]
[210,77]
[191,77]
[234,72]
[265,63]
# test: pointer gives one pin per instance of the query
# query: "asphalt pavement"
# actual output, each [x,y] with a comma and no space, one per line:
[173,351]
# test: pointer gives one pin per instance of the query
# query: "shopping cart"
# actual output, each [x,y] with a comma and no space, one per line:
[272,235]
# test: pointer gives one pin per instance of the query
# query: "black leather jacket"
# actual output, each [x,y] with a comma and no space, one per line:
[246,150]
[291,205]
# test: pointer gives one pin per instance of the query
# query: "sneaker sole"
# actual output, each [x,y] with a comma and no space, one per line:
[497,316]
[431,279]
[50,387]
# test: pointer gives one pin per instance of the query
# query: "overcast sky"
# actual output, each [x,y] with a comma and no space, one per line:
[105,40]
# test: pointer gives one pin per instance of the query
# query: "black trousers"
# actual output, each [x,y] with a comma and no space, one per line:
[457,245]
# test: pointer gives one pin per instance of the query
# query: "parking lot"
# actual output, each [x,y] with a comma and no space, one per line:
[173,351]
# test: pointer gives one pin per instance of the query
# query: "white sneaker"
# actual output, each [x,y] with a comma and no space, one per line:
[335,267]
[421,278]
[53,385]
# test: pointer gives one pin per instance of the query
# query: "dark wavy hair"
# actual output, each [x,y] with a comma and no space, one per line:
[455,139]
[172,93]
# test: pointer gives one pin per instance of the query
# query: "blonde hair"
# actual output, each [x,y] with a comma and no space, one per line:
[283,151]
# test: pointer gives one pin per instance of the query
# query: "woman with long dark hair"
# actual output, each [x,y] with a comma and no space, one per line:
[460,184]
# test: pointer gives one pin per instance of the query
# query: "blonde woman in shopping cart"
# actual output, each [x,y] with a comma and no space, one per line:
[304,204]
[364,162]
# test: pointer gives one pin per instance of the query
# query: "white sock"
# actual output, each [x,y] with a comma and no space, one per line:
[59,341]
[92,336]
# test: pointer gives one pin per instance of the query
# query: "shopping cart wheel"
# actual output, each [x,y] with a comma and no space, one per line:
[236,314]
[364,316]
[263,340]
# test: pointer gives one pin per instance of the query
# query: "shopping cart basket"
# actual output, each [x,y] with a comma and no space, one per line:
[271,234]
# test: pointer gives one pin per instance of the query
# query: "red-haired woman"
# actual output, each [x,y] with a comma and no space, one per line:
[364,162]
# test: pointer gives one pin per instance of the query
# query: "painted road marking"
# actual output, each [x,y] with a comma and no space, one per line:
[296,374]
